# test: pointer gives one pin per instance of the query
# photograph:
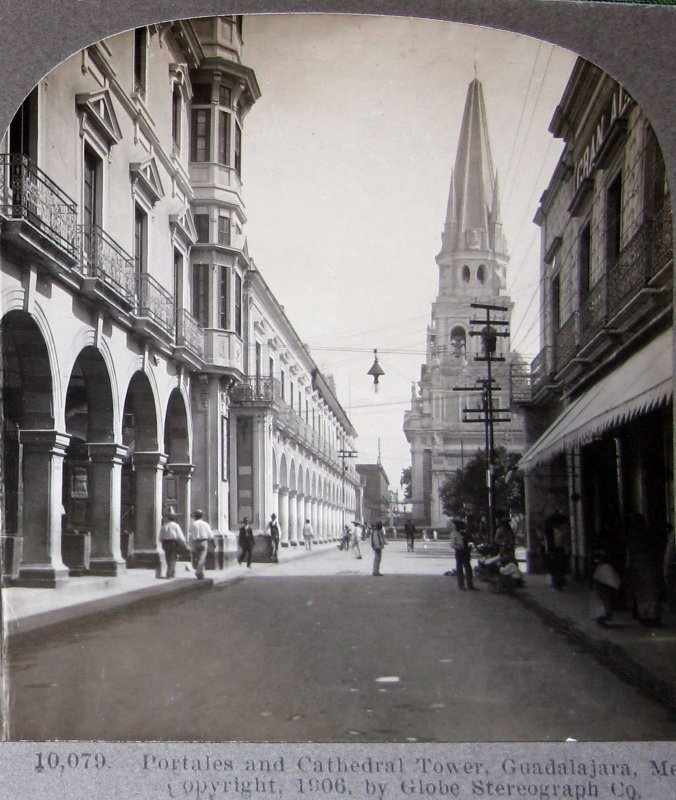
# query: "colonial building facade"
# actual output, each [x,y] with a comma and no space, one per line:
[135,325]
[601,387]
[472,268]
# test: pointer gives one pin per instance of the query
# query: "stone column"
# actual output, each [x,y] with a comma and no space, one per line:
[149,468]
[42,479]
[183,473]
[106,460]
[300,516]
[314,516]
[292,527]
[283,513]
[283,537]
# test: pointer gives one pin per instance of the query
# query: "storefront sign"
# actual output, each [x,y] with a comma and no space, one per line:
[619,104]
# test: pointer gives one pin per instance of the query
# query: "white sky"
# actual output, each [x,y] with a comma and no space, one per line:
[346,163]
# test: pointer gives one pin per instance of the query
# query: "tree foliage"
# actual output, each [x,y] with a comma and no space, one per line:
[465,489]
[405,483]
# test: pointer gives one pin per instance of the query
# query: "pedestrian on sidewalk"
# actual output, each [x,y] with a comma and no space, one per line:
[504,539]
[461,544]
[556,541]
[605,586]
[245,540]
[409,531]
[273,527]
[171,538]
[344,543]
[308,535]
[199,536]
[354,541]
[377,543]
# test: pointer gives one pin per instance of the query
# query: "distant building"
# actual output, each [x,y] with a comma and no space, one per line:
[145,365]
[600,409]
[377,501]
[472,267]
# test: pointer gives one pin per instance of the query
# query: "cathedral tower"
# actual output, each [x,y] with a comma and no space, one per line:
[472,266]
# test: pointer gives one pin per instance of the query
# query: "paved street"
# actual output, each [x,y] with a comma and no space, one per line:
[318,649]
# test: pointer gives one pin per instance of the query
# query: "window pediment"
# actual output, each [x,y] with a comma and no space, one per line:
[146,178]
[183,226]
[97,113]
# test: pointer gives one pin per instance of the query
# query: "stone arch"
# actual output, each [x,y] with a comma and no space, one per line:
[292,476]
[283,472]
[458,342]
[177,429]
[274,467]
[140,428]
[28,404]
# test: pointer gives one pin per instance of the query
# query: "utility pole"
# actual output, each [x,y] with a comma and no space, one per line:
[344,453]
[487,412]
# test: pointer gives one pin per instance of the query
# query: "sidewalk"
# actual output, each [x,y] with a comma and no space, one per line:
[29,611]
[644,656]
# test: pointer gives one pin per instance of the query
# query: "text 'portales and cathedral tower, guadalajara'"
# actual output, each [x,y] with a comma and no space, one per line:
[472,269]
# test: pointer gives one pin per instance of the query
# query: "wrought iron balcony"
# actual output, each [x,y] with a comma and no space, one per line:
[594,311]
[156,304]
[189,333]
[520,383]
[104,259]
[566,342]
[27,193]
[629,274]
[541,368]
[256,389]
[662,241]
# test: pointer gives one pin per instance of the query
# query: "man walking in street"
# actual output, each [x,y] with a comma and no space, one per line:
[246,543]
[377,543]
[308,535]
[409,530]
[199,536]
[461,543]
[171,537]
[273,527]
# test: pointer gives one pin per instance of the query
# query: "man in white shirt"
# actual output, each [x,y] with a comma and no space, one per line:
[171,537]
[308,534]
[199,536]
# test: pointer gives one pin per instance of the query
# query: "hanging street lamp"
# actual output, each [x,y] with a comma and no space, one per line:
[376,370]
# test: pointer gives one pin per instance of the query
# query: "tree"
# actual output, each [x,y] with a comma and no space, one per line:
[405,483]
[465,490]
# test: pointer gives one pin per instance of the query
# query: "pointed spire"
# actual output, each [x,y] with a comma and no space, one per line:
[473,206]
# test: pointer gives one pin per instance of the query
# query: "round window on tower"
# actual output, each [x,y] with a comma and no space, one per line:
[481,274]
[465,274]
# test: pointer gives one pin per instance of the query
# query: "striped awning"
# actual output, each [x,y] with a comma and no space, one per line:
[640,384]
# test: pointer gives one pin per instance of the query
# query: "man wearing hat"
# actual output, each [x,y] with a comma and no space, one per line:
[246,542]
[171,537]
[199,536]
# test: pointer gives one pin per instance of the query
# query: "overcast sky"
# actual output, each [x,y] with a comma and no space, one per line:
[347,163]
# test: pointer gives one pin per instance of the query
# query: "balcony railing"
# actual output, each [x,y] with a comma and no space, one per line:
[566,342]
[541,368]
[256,389]
[594,311]
[629,274]
[103,258]
[156,303]
[189,333]
[520,383]
[661,239]
[27,193]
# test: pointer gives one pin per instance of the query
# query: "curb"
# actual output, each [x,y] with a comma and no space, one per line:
[613,656]
[55,620]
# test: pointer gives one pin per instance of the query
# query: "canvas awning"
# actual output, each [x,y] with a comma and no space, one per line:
[642,383]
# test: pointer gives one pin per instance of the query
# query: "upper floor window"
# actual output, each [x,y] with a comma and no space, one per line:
[200,145]
[176,111]
[23,128]
[92,171]
[202,227]
[238,149]
[614,220]
[140,240]
[656,189]
[224,229]
[200,294]
[271,367]
[584,262]
[140,52]
[223,315]
[282,382]
[238,305]
[557,316]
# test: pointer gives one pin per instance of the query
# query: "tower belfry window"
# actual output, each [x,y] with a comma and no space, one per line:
[466,274]
[140,47]
[481,274]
